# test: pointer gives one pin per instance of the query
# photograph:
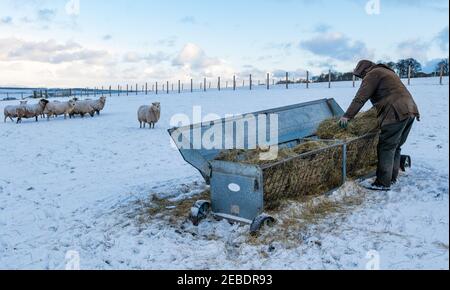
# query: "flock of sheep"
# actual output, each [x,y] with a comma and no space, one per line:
[44,108]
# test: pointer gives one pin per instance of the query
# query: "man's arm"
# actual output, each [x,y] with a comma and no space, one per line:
[368,88]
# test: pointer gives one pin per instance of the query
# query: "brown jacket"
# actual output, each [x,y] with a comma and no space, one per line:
[385,90]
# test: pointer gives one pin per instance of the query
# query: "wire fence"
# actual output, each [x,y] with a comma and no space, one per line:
[167,87]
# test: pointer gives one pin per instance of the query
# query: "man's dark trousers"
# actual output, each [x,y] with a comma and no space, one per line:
[392,138]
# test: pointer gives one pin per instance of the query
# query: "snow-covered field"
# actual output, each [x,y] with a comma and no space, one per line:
[72,185]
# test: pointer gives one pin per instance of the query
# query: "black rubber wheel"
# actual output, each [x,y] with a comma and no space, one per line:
[199,211]
[405,162]
[259,222]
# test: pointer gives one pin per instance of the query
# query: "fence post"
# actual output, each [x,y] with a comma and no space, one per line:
[204,84]
[146,88]
[354,79]
[234,82]
[441,75]
[409,75]
[329,79]
[287,80]
[307,79]
[179,86]
[268,81]
[156,87]
[192,85]
[167,88]
[250,82]
[218,83]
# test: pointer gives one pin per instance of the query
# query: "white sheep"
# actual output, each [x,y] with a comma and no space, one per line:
[11,111]
[31,111]
[98,105]
[149,115]
[59,108]
[82,108]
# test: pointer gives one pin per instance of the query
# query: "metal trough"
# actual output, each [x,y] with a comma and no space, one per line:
[239,192]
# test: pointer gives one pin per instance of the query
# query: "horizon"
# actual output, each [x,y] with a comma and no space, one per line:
[68,43]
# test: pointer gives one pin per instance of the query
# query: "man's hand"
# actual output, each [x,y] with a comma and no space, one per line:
[343,122]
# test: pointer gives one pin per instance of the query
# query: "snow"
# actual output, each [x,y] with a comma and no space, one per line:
[73,185]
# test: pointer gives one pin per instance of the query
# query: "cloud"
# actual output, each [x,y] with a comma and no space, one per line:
[6,20]
[193,58]
[12,49]
[151,58]
[107,37]
[188,20]
[442,39]
[413,48]
[292,74]
[336,46]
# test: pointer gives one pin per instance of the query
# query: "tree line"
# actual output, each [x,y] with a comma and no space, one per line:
[401,68]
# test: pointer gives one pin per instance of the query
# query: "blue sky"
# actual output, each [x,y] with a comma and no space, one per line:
[51,43]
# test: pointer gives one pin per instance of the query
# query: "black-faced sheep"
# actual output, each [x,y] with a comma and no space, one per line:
[31,111]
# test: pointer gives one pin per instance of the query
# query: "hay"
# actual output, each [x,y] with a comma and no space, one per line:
[252,157]
[361,137]
[310,174]
[364,123]
[320,171]
[167,209]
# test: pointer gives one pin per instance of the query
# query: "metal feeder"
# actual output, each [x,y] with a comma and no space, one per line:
[238,190]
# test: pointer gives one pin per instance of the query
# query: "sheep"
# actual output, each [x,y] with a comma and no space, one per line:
[31,111]
[98,105]
[59,108]
[10,112]
[82,108]
[149,114]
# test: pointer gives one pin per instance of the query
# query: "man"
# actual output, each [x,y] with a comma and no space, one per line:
[396,114]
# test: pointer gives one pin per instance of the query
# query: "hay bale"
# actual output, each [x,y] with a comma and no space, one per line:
[363,124]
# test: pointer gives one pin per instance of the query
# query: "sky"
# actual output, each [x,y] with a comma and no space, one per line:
[69,43]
